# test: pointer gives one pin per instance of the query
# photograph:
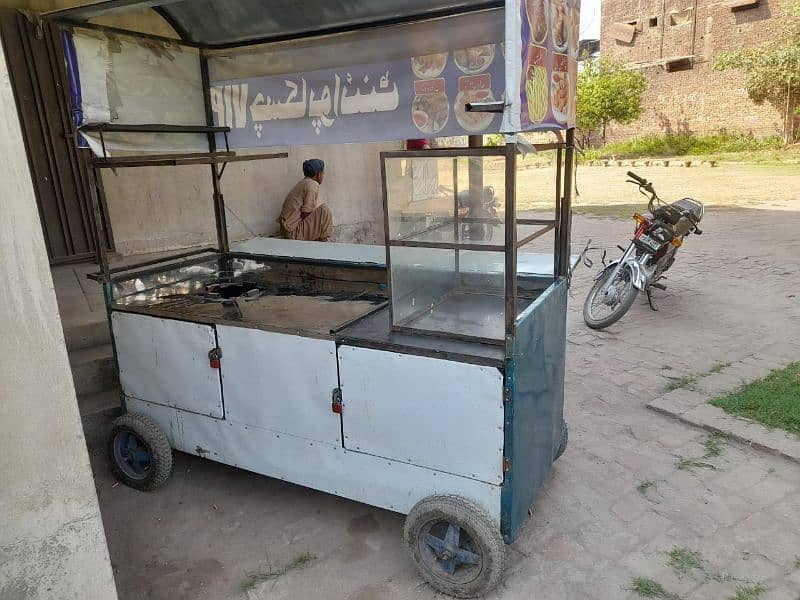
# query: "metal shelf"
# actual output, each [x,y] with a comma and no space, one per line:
[152,128]
[173,160]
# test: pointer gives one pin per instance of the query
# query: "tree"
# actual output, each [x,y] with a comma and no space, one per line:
[773,69]
[607,93]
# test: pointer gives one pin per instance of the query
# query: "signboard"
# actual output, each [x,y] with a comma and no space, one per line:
[418,97]
[549,51]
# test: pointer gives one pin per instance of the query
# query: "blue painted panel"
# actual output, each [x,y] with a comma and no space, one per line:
[535,376]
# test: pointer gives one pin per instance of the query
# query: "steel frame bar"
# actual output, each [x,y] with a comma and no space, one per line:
[536,234]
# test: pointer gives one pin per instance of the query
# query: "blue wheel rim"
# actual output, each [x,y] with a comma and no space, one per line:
[449,552]
[132,455]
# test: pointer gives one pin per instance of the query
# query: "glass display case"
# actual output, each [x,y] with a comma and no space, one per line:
[452,236]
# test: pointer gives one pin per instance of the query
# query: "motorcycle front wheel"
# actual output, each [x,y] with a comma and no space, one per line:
[603,309]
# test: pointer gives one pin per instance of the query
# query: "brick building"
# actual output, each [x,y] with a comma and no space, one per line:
[675,44]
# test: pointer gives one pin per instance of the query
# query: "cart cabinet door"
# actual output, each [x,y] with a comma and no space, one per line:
[280,382]
[166,362]
[428,412]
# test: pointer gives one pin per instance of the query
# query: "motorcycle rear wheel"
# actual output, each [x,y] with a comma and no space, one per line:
[592,317]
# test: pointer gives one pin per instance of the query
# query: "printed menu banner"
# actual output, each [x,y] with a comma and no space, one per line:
[549,51]
[419,97]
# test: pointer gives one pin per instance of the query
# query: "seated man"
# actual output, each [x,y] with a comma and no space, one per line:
[301,218]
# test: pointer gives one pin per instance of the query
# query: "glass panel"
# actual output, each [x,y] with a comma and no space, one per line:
[536,189]
[445,199]
[452,202]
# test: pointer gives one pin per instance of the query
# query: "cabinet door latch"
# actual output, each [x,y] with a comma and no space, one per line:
[336,401]
[214,357]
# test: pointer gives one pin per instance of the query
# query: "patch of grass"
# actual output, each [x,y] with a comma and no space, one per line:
[680,383]
[718,367]
[692,463]
[712,445]
[797,563]
[684,560]
[683,144]
[749,592]
[253,579]
[772,401]
[649,588]
[644,486]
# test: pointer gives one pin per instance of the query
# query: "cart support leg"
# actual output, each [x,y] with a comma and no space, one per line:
[219,201]
[565,216]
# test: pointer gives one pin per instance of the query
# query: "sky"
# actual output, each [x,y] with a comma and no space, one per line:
[590,19]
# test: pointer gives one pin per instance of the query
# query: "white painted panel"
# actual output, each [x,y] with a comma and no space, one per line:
[383,483]
[166,362]
[280,382]
[429,412]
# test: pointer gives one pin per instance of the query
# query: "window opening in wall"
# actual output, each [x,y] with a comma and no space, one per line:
[653,22]
[683,17]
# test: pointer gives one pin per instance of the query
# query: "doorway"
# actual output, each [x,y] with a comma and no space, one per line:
[59,169]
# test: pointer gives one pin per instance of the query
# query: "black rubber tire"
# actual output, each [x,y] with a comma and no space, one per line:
[157,444]
[483,530]
[619,311]
[562,445]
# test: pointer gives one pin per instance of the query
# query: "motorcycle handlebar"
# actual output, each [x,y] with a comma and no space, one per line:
[641,180]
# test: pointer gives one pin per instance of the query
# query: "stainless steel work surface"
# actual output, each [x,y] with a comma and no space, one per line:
[373,331]
[254,293]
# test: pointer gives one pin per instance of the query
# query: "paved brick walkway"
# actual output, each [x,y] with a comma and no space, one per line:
[733,293]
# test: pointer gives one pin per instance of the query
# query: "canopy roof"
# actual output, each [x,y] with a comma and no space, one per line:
[240,22]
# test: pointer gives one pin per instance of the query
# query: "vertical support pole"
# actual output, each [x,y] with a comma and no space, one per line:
[476,230]
[511,246]
[557,215]
[219,201]
[456,219]
[99,222]
[565,218]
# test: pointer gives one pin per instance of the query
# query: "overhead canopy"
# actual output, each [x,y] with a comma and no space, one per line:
[214,23]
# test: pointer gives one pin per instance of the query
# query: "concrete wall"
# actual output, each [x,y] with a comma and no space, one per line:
[162,208]
[696,98]
[52,543]
[154,209]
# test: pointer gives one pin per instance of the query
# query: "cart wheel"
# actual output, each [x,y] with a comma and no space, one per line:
[562,445]
[455,545]
[140,454]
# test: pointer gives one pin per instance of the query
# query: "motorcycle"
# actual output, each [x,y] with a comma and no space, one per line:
[485,212]
[659,233]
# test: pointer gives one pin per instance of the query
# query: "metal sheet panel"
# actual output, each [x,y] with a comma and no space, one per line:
[434,413]
[383,483]
[280,382]
[166,362]
[536,411]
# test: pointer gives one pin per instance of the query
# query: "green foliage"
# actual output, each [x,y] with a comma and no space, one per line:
[649,588]
[253,579]
[772,69]
[683,144]
[644,486]
[607,93]
[771,401]
[749,592]
[684,560]
[493,140]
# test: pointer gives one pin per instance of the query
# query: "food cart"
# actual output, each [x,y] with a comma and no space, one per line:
[425,376]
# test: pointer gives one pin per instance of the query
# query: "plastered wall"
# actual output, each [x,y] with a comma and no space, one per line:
[163,208]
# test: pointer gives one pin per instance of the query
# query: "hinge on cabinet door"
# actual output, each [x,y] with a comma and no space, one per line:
[506,464]
[336,401]
[214,357]
[506,395]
